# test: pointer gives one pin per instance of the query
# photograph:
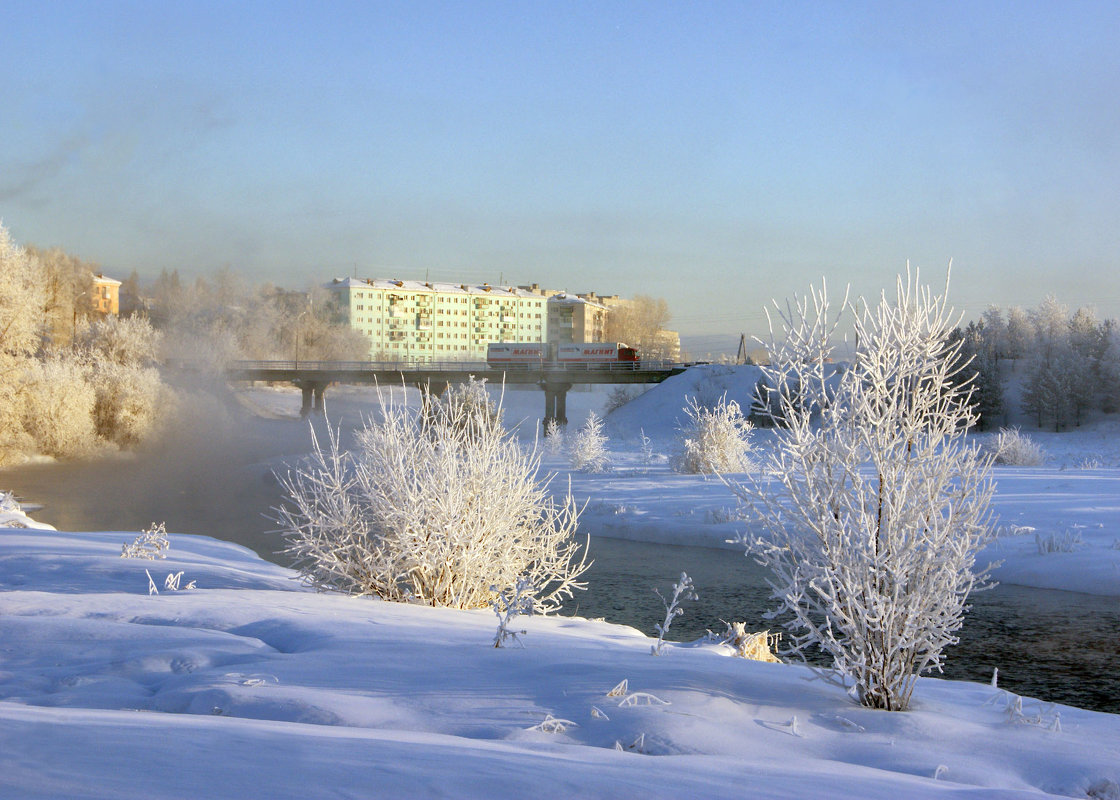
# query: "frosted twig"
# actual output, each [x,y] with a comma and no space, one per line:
[682,590]
[642,699]
[551,724]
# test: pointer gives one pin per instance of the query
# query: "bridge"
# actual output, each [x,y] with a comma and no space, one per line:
[555,379]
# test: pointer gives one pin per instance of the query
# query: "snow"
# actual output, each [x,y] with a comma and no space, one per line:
[250,685]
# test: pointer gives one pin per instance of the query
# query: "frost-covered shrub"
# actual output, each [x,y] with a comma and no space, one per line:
[554,437]
[8,503]
[646,443]
[713,439]
[434,508]
[1065,542]
[874,504]
[150,544]
[588,448]
[510,604]
[620,396]
[57,407]
[469,405]
[758,646]
[1015,449]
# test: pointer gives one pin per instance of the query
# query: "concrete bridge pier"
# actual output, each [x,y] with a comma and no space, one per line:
[314,398]
[555,403]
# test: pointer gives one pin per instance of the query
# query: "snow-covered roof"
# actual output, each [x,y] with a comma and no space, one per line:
[388,284]
[104,281]
[571,299]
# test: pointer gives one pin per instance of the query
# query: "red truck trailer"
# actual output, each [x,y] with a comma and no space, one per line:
[537,354]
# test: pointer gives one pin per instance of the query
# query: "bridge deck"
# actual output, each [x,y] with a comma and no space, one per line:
[450,372]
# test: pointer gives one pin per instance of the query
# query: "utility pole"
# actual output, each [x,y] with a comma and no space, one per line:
[741,357]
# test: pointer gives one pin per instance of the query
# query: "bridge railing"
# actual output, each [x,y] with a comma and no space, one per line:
[446,366]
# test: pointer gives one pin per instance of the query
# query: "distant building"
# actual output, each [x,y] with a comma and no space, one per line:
[573,319]
[421,321]
[106,295]
[424,321]
[668,345]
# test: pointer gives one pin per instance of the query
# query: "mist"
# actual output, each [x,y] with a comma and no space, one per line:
[210,473]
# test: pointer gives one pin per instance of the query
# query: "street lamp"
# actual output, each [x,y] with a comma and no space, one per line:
[300,316]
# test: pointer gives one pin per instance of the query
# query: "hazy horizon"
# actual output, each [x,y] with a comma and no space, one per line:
[716,155]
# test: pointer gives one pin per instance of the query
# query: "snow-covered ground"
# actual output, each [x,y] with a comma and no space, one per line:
[249,686]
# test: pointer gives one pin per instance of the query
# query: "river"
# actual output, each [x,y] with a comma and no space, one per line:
[216,478]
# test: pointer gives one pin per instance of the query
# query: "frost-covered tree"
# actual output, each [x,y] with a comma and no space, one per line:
[1051,327]
[431,508]
[554,437]
[713,440]
[1046,389]
[119,353]
[873,503]
[977,367]
[994,332]
[1110,372]
[128,341]
[127,402]
[68,284]
[639,322]
[223,319]
[57,406]
[587,450]
[22,300]
[1020,334]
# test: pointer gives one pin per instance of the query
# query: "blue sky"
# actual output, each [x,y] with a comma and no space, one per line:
[715,154]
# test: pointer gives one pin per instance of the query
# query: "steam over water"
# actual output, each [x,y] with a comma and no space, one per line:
[214,476]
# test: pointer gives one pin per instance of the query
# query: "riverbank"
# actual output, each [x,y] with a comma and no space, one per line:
[248,685]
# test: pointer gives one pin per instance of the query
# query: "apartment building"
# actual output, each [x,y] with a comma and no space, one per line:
[106,295]
[574,318]
[420,321]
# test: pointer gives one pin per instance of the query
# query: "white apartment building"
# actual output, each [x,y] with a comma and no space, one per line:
[420,321]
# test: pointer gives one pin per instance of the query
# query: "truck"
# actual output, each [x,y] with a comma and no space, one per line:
[596,353]
[580,355]
[523,354]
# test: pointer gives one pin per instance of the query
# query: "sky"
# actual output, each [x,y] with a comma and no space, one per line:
[714,154]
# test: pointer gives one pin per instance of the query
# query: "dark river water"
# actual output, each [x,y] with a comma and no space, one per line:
[1061,647]
[217,480]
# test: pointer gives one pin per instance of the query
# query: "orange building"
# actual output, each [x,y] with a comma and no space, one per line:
[106,295]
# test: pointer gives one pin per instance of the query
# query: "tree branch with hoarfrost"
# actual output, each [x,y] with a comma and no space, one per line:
[442,507]
[872,503]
